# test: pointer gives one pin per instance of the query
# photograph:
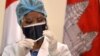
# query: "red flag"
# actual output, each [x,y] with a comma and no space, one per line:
[89,21]
[9,2]
[82,27]
[11,30]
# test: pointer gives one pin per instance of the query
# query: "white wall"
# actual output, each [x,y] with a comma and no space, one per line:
[56,14]
[2,8]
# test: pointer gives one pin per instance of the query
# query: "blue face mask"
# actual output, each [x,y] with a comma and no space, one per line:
[34,31]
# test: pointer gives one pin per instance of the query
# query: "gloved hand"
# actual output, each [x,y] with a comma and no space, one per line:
[24,47]
[48,34]
[52,42]
[26,43]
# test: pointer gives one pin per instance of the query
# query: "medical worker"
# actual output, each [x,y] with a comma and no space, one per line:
[39,41]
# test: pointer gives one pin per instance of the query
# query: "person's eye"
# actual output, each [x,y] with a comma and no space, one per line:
[28,21]
[40,19]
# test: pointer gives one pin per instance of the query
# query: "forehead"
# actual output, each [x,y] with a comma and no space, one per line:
[34,14]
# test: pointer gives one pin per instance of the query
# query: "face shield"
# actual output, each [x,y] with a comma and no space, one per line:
[33,31]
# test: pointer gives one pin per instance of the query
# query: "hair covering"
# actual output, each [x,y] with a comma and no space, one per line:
[26,6]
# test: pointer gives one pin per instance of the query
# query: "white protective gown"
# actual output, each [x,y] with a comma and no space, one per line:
[48,48]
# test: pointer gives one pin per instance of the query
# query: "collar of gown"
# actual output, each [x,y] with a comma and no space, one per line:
[44,50]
